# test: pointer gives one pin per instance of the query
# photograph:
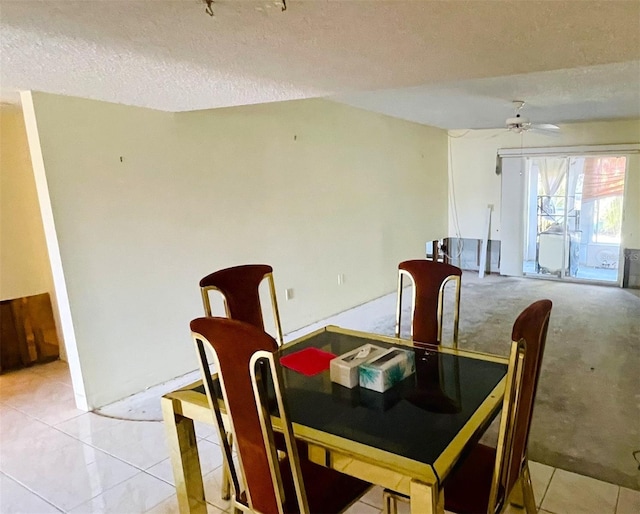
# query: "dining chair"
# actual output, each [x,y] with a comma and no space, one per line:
[487,478]
[239,287]
[428,280]
[246,363]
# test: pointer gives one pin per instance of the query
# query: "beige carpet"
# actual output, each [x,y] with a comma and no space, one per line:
[587,413]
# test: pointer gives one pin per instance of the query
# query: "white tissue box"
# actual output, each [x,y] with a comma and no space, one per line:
[388,369]
[343,370]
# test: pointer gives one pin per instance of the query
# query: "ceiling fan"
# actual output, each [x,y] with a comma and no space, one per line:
[519,123]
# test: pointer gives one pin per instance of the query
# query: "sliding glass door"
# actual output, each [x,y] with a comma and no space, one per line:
[573,218]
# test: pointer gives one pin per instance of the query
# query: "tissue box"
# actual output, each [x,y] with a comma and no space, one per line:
[343,370]
[385,371]
[382,402]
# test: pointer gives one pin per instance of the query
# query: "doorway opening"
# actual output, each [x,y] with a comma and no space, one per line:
[573,218]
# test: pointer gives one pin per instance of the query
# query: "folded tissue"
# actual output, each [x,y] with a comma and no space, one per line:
[343,370]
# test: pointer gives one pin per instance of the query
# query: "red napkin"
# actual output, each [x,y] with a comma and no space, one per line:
[309,361]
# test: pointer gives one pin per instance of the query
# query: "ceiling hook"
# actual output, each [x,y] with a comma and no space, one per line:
[284,5]
[209,8]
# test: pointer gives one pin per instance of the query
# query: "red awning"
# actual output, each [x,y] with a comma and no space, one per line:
[603,177]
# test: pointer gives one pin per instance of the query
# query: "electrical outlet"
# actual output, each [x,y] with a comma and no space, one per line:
[340,279]
[288,294]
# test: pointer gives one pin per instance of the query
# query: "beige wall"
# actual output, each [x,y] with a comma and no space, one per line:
[145,203]
[24,263]
[473,165]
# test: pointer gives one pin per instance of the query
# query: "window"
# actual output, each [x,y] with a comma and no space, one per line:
[603,188]
[607,220]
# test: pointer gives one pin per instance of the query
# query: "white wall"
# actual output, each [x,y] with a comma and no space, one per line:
[145,203]
[473,165]
[24,263]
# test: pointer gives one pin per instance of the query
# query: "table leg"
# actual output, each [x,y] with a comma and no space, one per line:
[225,493]
[527,491]
[426,498]
[516,498]
[183,450]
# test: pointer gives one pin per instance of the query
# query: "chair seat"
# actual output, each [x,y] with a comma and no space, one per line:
[328,491]
[467,489]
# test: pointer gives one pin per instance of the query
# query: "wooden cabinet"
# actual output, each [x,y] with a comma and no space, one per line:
[28,332]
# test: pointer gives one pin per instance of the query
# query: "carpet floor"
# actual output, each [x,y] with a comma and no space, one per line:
[587,411]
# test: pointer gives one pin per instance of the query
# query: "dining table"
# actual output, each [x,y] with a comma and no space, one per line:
[406,439]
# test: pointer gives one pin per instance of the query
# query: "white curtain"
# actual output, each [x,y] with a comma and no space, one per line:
[552,174]
[553,171]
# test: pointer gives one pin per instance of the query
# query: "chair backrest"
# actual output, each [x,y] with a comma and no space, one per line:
[428,279]
[239,286]
[236,347]
[528,336]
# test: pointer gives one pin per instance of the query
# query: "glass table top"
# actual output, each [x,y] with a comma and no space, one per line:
[416,418]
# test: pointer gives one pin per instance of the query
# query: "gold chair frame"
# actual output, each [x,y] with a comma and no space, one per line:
[225,492]
[504,448]
[231,483]
[264,415]
[260,394]
[522,492]
[456,312]
[206,302]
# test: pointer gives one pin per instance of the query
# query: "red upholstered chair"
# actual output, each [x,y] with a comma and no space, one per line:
[239,288]
[243,353]
[428,280]
[487,478]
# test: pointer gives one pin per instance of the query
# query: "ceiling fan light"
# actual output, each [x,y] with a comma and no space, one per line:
[518,121]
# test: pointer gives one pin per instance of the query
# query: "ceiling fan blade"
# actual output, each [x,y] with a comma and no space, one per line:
[546,129]
[520,123]
[545,126]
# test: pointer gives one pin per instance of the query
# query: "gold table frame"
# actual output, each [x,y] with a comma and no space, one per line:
[417,480]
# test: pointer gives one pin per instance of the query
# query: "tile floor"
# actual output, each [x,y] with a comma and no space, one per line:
[55,458]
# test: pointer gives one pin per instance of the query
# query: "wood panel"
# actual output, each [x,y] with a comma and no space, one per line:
[28,332]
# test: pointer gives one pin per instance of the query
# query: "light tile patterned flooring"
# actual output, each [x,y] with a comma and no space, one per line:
[55,458]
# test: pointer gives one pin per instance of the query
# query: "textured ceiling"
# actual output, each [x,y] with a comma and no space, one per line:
[170,55]
[607,91]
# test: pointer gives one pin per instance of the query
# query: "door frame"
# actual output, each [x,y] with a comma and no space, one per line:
[514,198]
